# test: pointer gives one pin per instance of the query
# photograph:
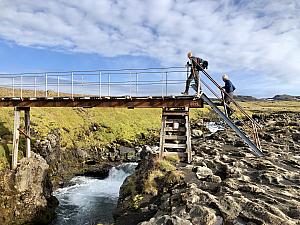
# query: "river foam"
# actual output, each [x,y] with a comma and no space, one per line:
[90,201]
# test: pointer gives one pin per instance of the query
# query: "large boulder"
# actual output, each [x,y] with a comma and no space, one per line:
[26,193]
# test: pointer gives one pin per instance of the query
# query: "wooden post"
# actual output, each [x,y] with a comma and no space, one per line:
[188,138]
[162,136]
[16,138]
[27,131]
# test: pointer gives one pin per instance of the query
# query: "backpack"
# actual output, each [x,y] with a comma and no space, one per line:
[202,62]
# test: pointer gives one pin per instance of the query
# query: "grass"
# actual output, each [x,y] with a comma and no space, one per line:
[150,185]
[271,106]
[165,165]
[96,127]
[83,128]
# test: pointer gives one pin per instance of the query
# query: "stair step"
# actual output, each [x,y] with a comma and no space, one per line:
[174,137]
[168,145]
[182,129]
[175,121]
[180,154]
[175,113]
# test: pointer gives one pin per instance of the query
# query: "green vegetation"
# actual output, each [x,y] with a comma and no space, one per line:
[150,184]
[81,128]
[96,127]
[136,200]
[271,106]
[162,172]
[172,158]
[165,165]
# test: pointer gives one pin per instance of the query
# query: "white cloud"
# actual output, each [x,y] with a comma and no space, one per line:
[235,36]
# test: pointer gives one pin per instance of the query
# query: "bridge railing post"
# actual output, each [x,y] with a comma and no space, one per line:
[35,86]
[57,85]
[108,84]
[100,84]
[46,85]
[13,87]
[136,84]
[162,84]
[166,83]
[130,84]
[72,84]
[82,85]
[21,84]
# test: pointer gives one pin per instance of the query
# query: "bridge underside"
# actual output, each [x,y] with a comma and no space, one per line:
[89,102]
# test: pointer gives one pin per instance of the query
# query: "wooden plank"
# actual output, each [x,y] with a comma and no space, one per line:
[182,155]
[168,145]
[16,138]
[175,153]
[27,131]
[134,102]
[182,129]
[175,121]
[174,113]
[175,137]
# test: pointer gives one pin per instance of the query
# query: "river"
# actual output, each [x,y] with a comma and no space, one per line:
[89,201]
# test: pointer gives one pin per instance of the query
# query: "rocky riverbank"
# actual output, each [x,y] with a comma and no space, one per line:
[26,193]
[66,163]
[225,184]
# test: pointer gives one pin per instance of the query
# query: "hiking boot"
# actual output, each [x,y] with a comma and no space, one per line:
[198,95]
[184,93]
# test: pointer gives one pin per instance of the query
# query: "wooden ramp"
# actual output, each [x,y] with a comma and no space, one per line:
[175,136]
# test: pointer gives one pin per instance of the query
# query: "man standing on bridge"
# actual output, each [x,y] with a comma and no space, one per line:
[196,65]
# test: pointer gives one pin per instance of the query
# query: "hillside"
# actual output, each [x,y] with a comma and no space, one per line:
[81,128]
[95,128]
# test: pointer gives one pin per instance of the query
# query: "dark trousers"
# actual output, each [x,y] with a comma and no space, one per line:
[194,75]
[227,100]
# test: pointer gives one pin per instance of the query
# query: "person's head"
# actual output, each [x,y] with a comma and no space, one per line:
[189,55]
[225,77]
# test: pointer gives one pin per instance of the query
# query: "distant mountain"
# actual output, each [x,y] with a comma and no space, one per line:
[285,97]
[245,98]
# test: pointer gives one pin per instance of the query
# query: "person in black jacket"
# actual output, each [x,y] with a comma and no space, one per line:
[229,89]
[196,65]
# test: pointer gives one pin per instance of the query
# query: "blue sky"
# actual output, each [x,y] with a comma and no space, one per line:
[256,42]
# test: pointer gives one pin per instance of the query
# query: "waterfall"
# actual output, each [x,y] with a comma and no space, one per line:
[89,200]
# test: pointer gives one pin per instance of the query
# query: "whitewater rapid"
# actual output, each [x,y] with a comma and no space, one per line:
[89,201]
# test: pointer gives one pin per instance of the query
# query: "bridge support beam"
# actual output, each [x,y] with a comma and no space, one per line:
[16,135]
[16,138]
[27,131]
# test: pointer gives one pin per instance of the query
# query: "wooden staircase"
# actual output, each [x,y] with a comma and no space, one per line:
[175,136]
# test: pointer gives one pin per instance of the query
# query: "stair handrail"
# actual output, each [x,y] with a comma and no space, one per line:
[224,92]
[255,125]
[216,95]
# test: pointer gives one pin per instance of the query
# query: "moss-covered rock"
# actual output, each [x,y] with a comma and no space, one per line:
[26,193]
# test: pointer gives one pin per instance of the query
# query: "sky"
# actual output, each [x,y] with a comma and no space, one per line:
[257,43]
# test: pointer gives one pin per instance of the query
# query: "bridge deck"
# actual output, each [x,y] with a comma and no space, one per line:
[89,102]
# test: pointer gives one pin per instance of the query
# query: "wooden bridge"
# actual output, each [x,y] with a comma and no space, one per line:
[138,88]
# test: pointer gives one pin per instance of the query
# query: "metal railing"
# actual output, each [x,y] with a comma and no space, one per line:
[254,126]
[166,81]
[132,82]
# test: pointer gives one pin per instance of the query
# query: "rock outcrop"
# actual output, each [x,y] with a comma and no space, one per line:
[26,193]
[225,184]
[95,162]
